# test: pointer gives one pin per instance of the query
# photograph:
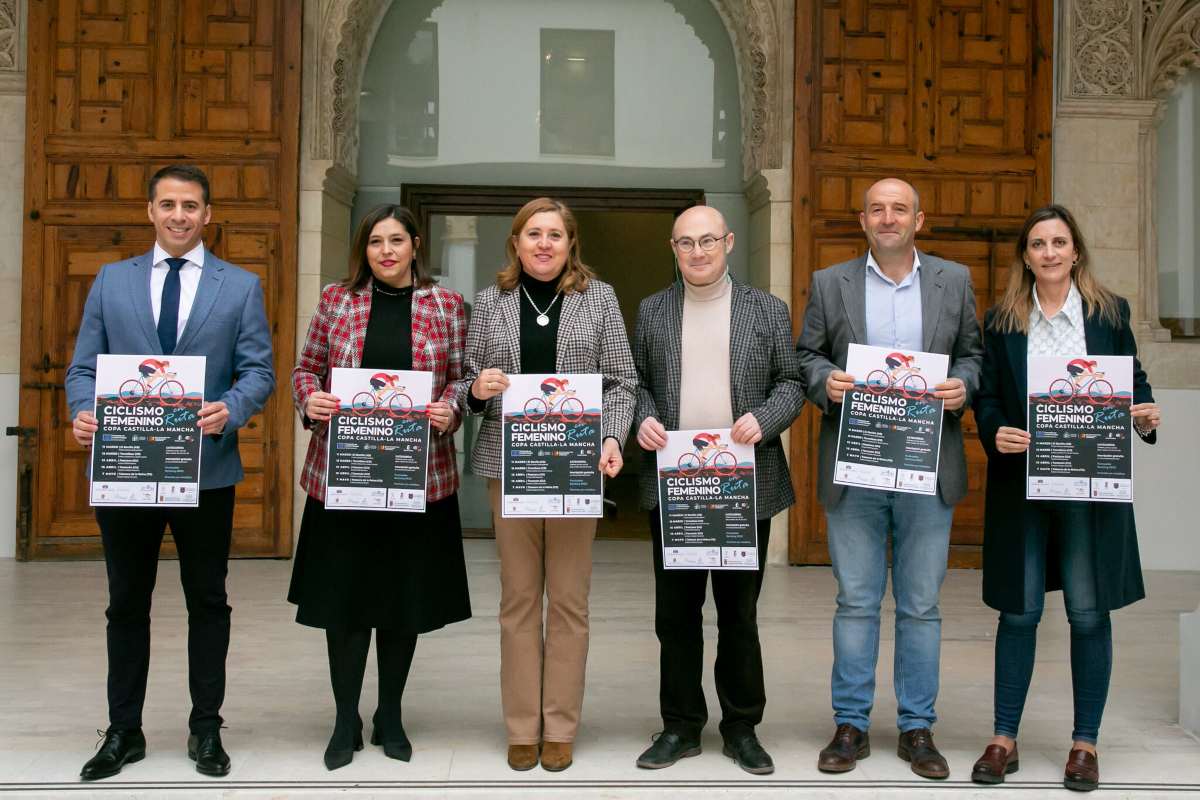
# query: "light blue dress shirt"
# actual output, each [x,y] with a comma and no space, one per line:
[894,309]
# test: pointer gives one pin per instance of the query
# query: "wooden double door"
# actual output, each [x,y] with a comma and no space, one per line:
[954,96]
[116,90]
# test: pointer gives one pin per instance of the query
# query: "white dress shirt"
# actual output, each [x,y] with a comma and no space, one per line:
[189,280]
[1060,335]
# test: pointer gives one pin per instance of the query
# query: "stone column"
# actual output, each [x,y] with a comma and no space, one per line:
[1189,671]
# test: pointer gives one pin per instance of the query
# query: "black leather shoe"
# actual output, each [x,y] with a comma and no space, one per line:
[668,748]
[848,745]
[343,744]
[117,749]
[917,748]
[210,757]
[749,754]
[394,740]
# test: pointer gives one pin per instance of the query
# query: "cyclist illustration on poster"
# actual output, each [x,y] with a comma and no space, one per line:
[1080,428]
[378,457]
[552,439]
[706,499]
[147,449]
[890,432]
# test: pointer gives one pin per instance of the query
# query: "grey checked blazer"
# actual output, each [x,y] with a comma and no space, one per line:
[591,338]
[764,378]
[837,315]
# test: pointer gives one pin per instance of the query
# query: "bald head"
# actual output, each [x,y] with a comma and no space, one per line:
[706,217]
[892,187]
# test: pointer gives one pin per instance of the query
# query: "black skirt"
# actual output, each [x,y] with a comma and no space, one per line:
[380,569]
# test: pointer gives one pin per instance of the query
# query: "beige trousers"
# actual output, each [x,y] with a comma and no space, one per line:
[541,678]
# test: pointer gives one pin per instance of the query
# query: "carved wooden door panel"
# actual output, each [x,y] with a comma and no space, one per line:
[954,97]
[116,90]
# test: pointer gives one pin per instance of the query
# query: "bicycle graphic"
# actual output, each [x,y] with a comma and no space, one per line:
[1096,389]
[723,462]
[397,404]
[568,406]
[134,391]
[909,380]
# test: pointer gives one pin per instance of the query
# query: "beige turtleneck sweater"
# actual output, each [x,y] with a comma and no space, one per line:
[704,389]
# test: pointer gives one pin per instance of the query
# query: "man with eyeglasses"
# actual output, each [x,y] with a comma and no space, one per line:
[905,300]
[713,353]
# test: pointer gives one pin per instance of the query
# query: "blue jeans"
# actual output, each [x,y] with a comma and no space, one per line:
[1066,529]
[858,540]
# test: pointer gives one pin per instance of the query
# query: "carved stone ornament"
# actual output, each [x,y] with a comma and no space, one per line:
[1171,44]
[1102,48]
[10,36]
[339,42]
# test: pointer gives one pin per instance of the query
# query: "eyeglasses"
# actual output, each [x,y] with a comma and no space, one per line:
[707,243]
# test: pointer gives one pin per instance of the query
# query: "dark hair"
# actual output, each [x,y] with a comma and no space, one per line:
[180,172]
[360,267]
[1016,304]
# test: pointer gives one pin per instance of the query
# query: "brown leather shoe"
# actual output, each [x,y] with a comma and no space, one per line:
[556,756]
[917,748]
[994,764]
[522,757]
[842,753]
[1083,771]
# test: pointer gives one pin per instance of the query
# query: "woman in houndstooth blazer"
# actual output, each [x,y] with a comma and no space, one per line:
[547,313]
[402,574]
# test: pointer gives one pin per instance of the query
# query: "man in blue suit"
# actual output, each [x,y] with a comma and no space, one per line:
[177,299]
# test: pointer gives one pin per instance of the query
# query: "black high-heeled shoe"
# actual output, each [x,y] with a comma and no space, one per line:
[340,752]
[397,747]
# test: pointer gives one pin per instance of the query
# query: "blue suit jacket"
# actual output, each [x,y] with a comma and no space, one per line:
[227,324]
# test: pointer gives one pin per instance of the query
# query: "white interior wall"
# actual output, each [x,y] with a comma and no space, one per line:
[12,174]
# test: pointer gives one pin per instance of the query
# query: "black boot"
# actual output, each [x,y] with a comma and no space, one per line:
[347,662]
[394,651]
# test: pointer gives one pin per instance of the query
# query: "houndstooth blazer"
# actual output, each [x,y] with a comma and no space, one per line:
[591,338]
[764,379]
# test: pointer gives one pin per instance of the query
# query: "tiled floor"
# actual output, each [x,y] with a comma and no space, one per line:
[279,707]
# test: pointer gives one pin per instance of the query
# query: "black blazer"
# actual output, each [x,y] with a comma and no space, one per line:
[1008,516]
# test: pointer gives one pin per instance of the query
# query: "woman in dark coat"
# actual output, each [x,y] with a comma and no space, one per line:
[401,574]
[1053,306]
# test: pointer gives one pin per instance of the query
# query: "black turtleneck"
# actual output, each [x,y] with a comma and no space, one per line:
[388,343]
[538,343]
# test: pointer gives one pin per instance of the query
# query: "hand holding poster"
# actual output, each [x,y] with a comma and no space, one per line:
[706,501]
[891,428]
[378,456]
[1079,427]
[146,450]
[552,439]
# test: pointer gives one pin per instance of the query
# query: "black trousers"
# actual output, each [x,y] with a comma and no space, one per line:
[132,538]
[678,621]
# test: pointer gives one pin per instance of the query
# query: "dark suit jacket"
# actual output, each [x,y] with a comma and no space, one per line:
[1002,401]
[764,378]
[836,316]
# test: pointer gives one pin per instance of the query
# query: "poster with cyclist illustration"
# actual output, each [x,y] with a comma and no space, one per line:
[378,458]
[1080,428]
[146,451]
[891,428]
[706,501]
[551,442]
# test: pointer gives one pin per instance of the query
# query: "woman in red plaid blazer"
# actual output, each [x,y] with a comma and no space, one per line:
[400,573]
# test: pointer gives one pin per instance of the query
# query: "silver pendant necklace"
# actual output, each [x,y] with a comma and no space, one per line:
[543,317]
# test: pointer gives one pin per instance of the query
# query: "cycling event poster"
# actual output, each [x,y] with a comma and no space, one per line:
[1080,428]
[146,451]
[890,433]
[378,458]
[552,438]
[706,501]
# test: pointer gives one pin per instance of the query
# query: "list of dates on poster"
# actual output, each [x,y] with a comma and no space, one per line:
[551,438]
[889,435]
[146,450]
[706,501]
[379,440]
[1080,427]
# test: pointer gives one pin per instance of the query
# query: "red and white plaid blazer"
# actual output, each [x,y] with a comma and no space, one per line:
[335,339]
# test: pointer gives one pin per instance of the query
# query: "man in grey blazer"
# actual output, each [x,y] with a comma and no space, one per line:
[177,299]
[713,353]
[900,298]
